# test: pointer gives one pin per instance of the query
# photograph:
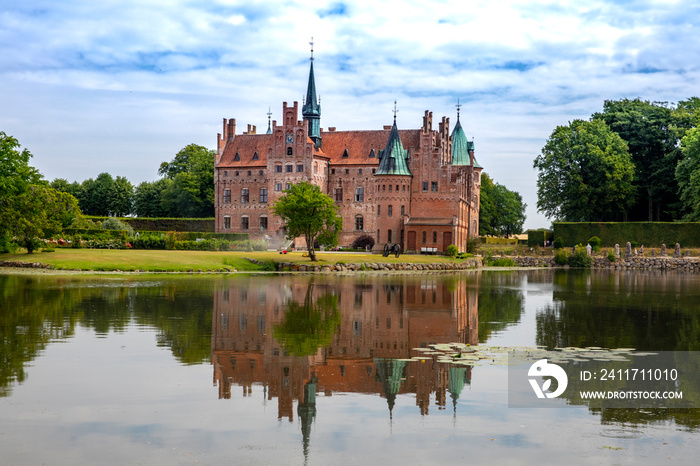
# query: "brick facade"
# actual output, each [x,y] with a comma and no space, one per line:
[436,205]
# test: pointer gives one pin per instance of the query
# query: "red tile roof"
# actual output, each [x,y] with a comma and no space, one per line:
[359,144]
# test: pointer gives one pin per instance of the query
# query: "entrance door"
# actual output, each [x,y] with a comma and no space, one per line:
[411,243]
[446,240]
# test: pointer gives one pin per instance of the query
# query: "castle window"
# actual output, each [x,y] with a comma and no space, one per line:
[359,223]
[278,168]
[433,186]
[278,186]
[435,237]
[424,237]
[225,172]
[227,196]
[346,154]
[383,187]
[245,197]
[288,187]
[244,222]
[289,168]
[332,171]
[379,211]
[378,241]
[374,170]
[263,195]
[403,210]
[227,223]
[359,172]
[389,188]
[289,151]
[263,222]
[300,168]
[315,167]
[388,236]
[236,172]
[237,157]
[250,172]
[390,211]
[256,156]
[347,171]
[425,186]
[359,194]
[403,187]
[397,188]
[260,173]
[338,194]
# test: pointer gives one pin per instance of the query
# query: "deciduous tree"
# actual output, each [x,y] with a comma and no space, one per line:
[307,212]
[585,173]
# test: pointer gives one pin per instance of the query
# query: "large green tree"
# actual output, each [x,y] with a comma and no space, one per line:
[585,173]
[191,193]
[308,212]
[501,211]
[688,175]
[148,198]
[651,132]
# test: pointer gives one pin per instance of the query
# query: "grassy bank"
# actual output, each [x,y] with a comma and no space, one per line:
[184,261]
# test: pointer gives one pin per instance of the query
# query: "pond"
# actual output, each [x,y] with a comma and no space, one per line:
[302,369]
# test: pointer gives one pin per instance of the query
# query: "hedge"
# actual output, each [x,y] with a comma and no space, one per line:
[537,237]
[165,224]
[651,234]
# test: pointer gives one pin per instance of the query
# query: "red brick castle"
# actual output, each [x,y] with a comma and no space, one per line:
[419,188]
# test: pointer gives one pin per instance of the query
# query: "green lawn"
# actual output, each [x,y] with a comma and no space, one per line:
[184,261]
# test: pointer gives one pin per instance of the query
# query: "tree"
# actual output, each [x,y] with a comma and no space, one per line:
[650,130]
[501,211]
[585,173]
[192,192]
[38,212]
[688,175]
[308,212]
[148,198]
[121,200]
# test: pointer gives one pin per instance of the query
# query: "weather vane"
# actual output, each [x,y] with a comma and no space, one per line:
[458,107]
[395,111]
[312,48]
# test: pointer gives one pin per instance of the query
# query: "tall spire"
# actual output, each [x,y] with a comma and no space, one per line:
[269,127]
[312,105]
[393,160]
[461,147]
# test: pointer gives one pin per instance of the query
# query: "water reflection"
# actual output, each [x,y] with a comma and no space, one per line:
[297,336]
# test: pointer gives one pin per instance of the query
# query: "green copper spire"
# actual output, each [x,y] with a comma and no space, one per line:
[312,105]
[394,159]
[461,146]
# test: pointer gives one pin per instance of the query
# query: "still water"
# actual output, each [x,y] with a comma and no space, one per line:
[315,370]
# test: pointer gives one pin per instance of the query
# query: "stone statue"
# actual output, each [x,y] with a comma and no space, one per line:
[663,250]
[677,252]
[628,250]
[617,251]
[653,252]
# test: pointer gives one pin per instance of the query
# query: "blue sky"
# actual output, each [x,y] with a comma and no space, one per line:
[121,86]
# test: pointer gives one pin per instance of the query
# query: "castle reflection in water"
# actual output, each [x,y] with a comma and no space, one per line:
[377,324]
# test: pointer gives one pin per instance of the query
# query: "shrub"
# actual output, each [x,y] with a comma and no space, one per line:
[76,242]
[502,262]
[146,241]
[113,223]
[452,250]
[268,266]
[363,242]
[580,258]
[558,243]
[7,244]
[611,256]
[105,244]
[561,257]
[595,243]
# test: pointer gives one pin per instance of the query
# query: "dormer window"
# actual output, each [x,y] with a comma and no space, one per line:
[237,157]
[346,154]
[256,156]
[372,154]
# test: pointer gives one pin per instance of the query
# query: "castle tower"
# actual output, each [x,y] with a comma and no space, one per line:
[311,110]
[392,190]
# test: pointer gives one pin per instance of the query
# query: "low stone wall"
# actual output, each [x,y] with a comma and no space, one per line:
[690,264]
[25,265]
[366,266]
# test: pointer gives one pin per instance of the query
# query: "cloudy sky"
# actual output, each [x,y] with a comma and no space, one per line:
[121,85]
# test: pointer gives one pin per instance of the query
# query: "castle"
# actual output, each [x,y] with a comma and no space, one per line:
[419,188]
